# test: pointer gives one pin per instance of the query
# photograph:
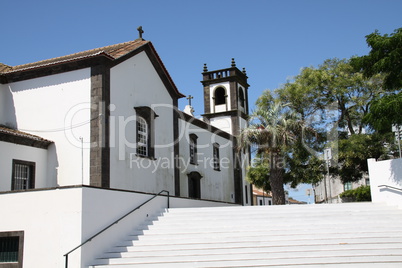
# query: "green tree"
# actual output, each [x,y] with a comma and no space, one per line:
[335,98]
[258,173]
[360,194]
[384,58]
[353,154]
[272,128]
[315,91]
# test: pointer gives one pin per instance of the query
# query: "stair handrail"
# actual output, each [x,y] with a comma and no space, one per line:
[388,186]
[115,222]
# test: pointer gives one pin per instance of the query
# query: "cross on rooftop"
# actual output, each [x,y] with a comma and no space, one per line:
[140,32]
[189,99]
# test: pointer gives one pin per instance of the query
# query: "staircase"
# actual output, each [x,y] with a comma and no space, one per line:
[329,235]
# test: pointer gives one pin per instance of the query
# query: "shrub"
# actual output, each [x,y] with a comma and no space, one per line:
[360,194]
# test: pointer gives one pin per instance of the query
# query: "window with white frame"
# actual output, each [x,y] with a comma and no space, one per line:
[142,137]
[145,131]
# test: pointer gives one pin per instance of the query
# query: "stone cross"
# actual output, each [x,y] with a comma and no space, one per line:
[189,99]
[140,32]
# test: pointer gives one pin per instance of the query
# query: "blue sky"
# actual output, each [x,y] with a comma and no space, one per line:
[272,39]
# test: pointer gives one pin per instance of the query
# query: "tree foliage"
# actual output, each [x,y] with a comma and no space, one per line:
[353,154]
[258,173]
[315,91]
[384,112]
[338,100]
[272,129]
[360,194]
[384,58]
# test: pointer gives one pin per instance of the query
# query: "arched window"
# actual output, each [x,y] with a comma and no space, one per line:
[220,96]
[194,185]
[193,149]
[241,98]
[145,132]
[142,136]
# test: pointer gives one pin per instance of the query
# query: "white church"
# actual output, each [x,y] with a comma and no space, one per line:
[88,137]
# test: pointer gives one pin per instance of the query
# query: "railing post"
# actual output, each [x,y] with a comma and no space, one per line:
[168,198]
[66,262]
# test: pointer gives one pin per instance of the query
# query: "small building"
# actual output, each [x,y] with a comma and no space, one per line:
[261,197]
[329,191]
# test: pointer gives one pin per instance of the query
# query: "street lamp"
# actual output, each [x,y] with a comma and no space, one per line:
[397,129]
[327,158]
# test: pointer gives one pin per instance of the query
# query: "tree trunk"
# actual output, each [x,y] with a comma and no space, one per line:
[276,179]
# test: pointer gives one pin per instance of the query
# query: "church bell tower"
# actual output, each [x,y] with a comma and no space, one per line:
[226,98]
[226,108]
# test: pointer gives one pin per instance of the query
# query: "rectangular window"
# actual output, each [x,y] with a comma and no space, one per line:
[23,175]
[347,186]
[193,149]
[142,137]
[145,132]
[11,247]
[216,156]
[245,190]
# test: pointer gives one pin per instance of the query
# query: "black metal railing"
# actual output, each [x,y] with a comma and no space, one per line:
[391,187]
[115,222]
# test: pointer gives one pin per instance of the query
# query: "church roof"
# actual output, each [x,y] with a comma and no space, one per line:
[113,52]
[15,136]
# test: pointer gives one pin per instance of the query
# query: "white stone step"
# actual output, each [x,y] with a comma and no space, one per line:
[371,231]
[269,228]
[256,237]
[381,254]
[364,206]
[328,235]
[363,248]
[267,262]
[186,244]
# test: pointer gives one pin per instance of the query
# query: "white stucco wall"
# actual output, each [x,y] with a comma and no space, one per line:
[387,172]
[56,221]
[215,185]
[51,221]
[57,108]
[101,207]
[10,151]
[7,115]
[135,83]
[222,122]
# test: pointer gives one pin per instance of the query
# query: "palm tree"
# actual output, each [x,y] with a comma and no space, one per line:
[272,127]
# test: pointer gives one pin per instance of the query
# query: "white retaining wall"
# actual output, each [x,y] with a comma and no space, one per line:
[387,172]
[57,220]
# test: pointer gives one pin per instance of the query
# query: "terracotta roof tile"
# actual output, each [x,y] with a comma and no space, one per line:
[260,192]
[15,132]
[113,51]
[18,137]
[4,68]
